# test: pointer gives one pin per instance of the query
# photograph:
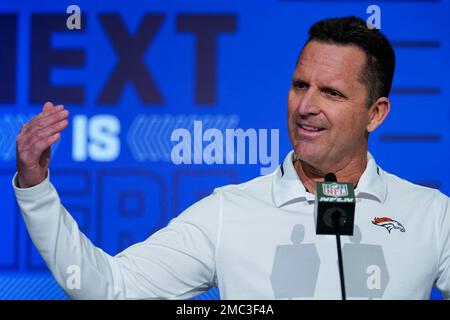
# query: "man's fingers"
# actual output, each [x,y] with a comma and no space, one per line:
[49,120]
[43,144]
[30,138]
[47,108]
[46,111]
[41,132]
[52,129]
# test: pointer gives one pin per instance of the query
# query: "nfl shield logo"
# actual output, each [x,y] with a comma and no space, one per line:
[335,189]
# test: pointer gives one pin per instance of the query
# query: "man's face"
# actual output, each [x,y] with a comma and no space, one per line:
[327,111]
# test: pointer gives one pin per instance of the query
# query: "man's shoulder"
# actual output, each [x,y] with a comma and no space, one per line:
[258,187]
[398,187]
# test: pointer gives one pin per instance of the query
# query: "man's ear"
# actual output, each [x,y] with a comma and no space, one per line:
[377,113]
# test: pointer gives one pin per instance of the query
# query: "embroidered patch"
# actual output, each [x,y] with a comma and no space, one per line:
[388,223]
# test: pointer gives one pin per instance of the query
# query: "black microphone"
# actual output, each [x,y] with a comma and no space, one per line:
[334,206]
[335,214]
[330,177]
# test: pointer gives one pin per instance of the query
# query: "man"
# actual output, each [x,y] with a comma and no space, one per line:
[257,240]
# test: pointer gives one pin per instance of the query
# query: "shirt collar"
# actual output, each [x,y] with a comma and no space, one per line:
[288,188]
[372,184]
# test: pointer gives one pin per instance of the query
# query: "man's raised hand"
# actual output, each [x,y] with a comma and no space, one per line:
[34,141]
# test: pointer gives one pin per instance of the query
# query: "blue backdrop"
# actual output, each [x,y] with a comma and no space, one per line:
[137,70]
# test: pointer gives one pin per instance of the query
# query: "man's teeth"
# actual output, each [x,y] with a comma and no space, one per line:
[311,128]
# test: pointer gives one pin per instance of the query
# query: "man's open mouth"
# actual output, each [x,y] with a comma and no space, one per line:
[310,128]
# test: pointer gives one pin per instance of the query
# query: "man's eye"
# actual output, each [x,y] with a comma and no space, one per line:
[299,85]
[333,93]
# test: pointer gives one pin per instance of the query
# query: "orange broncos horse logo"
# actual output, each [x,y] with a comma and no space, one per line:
[388,223]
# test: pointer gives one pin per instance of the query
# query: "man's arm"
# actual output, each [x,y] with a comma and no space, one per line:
[175,262]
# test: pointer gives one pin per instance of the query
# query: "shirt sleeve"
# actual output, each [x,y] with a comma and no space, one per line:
[443,279]
[177,262]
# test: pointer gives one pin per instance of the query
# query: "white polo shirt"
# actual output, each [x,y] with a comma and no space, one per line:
[257,240]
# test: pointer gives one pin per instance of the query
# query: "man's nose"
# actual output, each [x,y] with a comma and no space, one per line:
[308,105]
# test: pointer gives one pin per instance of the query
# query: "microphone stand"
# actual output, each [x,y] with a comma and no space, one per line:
[336,218]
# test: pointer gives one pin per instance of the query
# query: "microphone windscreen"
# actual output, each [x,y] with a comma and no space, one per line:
[330,177]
